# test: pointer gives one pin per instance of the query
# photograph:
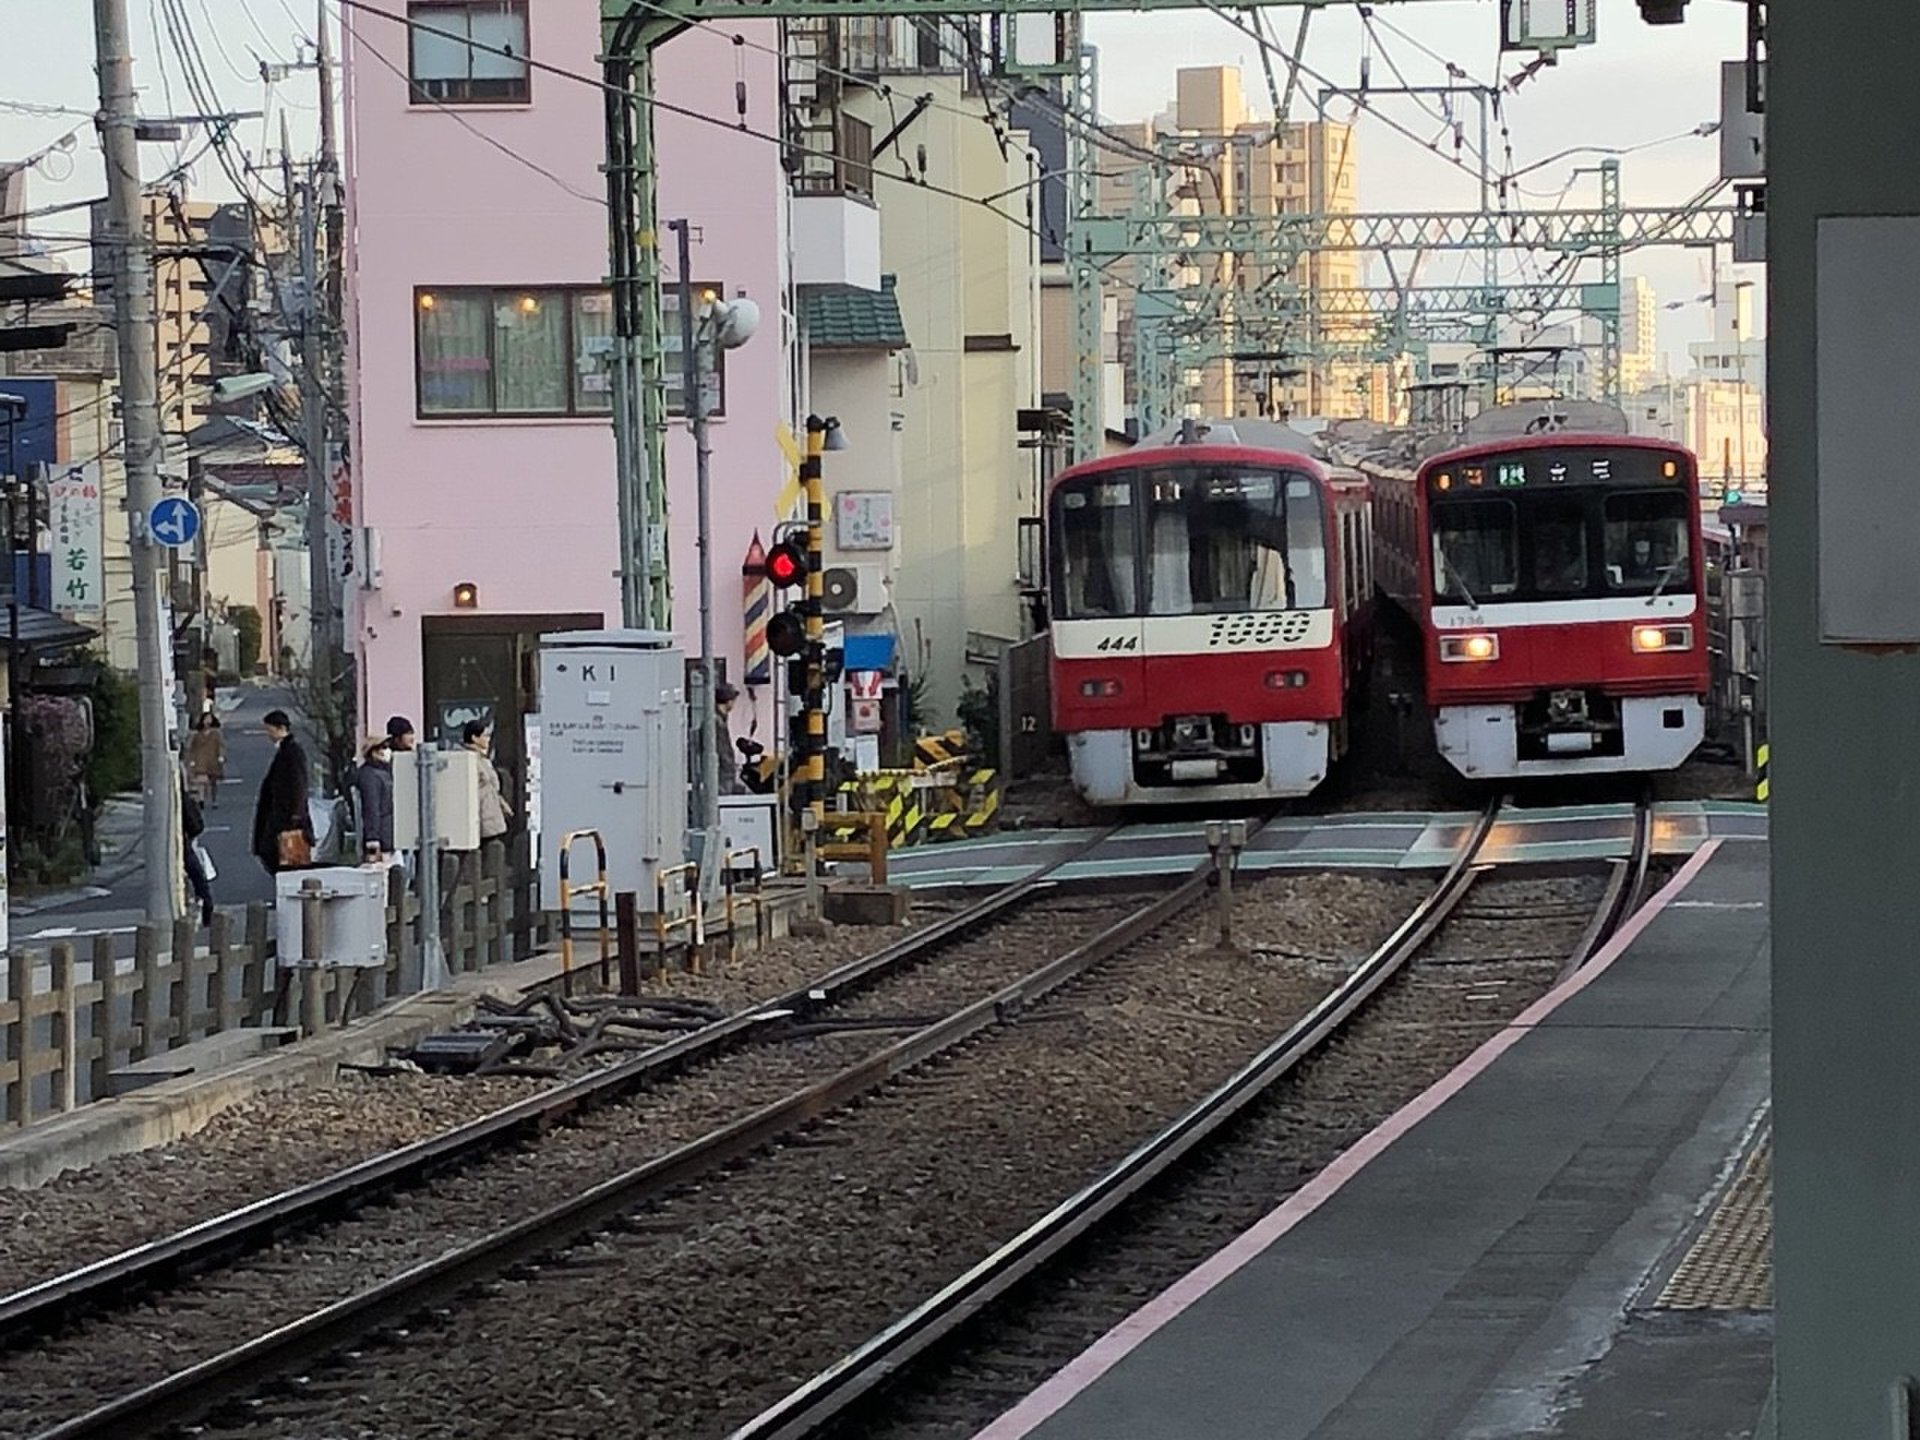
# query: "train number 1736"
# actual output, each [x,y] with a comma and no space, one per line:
[1119,642]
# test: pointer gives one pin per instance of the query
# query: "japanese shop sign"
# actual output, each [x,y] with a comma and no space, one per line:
[74,512]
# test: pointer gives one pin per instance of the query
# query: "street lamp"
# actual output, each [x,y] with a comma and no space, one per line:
[720,325]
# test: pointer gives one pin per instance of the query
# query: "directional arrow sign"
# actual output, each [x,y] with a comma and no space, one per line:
[174,522]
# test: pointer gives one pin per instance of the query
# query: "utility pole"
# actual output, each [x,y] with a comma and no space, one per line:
[128,260]
[313,422]
[694,339]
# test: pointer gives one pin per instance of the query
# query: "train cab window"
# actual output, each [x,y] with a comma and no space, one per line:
[1648,548]
[1222,540]
[1476,551]
[1557,528]
[1096,543]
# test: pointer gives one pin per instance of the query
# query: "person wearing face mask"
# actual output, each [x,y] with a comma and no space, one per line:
[373,793]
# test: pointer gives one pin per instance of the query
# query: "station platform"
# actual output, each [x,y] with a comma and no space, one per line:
[1566,1237]
[1384,840]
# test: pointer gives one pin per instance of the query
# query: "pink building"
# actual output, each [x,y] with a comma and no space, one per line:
[483,452]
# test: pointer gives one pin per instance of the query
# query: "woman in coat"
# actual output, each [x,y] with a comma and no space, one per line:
[281,811]
[373,793]
[207,759]
[494,808]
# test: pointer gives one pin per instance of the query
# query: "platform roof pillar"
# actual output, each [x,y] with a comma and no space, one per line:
[1843,124]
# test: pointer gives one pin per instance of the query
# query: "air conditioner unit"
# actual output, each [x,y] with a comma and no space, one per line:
[854,589]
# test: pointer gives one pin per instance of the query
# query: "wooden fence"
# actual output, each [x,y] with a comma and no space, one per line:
[62,1033]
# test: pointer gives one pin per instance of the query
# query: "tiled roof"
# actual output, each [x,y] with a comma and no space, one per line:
[855,319]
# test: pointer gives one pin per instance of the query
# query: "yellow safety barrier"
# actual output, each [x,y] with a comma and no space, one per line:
[872,849]
[1764,789]
[757,898]
[568,890]
[693,922]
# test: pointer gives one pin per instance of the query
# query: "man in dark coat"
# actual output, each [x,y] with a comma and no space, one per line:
[282,805]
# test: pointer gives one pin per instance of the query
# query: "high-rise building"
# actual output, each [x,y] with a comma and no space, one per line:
[1222,161]
[1639,334]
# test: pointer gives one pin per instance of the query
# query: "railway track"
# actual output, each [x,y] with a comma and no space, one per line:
[1003,933]
[617,1207]
[979,1345]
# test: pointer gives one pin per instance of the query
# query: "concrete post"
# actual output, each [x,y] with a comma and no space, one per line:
[1844,720]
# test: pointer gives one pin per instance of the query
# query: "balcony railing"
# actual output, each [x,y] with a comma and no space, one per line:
[846,169]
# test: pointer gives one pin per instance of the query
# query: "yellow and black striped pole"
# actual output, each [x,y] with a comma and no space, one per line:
[813,753]
[1763,788]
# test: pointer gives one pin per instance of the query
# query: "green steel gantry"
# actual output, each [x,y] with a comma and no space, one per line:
[634,29]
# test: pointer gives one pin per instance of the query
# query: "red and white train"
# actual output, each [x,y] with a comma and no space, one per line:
[1210,614]
[1554,571]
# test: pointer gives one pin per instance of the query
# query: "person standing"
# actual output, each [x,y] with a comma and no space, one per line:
[207,759]
[193,825]
[400,734]
[282,822]
[494,808]
[373,793]
[731,782]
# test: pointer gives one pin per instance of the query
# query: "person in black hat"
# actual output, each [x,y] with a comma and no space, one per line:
[400,733]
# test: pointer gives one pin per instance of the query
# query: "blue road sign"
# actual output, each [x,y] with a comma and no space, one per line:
[174,522]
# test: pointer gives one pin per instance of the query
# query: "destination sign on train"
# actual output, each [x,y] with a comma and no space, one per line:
[1551,469]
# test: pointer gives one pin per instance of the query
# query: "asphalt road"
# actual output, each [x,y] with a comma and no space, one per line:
[228,840]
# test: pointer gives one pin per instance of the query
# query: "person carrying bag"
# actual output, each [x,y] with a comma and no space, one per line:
[282,822]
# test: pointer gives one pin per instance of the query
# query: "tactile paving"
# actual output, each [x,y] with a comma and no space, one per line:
[1730,1265]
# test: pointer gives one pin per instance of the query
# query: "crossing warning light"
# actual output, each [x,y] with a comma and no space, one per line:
[787,632]
[786,564]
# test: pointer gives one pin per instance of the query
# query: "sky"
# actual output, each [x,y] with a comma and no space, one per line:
[1639,84]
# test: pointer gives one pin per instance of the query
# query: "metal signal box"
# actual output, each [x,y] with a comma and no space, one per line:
[613,758]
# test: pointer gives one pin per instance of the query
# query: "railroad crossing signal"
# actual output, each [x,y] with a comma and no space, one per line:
[787,567]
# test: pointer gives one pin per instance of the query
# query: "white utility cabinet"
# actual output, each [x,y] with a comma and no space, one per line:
[353,915]
[748,821]
[613,758]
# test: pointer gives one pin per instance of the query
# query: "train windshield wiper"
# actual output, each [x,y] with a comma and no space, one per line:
[1446,567]
[1666,578]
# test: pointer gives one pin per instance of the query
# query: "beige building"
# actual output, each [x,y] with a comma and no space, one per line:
[1224,162]
[967,285]
[1639,335]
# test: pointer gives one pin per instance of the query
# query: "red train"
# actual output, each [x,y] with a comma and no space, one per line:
[1210,614]
[1555,576]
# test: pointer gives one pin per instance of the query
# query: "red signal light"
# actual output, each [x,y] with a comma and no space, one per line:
[786,565]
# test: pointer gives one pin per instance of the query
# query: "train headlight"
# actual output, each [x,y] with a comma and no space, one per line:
[1658,639]
[1469,649]
[1286,679]
[1099,689]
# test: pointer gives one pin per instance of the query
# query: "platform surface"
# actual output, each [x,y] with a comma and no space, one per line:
[1458,1275]
[1355,840]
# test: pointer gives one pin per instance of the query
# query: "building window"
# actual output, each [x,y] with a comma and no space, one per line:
[529,353]
[468,52]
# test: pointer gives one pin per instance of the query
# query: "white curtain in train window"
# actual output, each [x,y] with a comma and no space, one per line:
[456,368]
[530,352]
[1223,542]
[1096,549]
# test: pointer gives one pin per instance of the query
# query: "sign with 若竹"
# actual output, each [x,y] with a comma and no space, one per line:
[74,518]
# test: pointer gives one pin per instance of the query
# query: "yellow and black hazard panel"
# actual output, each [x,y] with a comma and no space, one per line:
[983,800]
[930,752]
[1763,787]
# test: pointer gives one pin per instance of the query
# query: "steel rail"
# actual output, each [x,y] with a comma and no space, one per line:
[190,1394]
[1626,890]
[116,1281]
[834,1390]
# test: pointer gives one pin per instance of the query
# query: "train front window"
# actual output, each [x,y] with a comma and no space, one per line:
[1557,527]
[1648,550]
[1476,550]
[1225,539]
[1096,576]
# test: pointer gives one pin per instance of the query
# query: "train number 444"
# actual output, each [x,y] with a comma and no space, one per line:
[1119,642]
